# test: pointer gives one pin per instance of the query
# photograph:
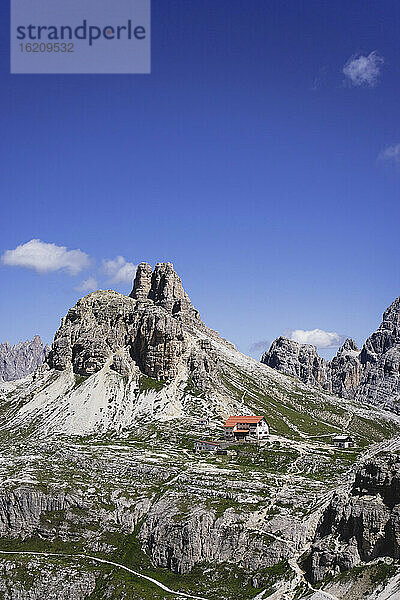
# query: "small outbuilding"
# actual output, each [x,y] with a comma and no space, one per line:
[343,441]
[205,446]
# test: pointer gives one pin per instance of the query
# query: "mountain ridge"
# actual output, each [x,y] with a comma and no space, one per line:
[96,459]
[370,375]
[116,360]
[21,359]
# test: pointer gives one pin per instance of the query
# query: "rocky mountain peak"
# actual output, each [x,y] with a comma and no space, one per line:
[163,286]
[22,359]
[371,375]
[150,332]
[348,346]
[298,360]
[391,317]
[386,336]
[380,359]
[142,282]
[166,284]
[341,375]
[345,370]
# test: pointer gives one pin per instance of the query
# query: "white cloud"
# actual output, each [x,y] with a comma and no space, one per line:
[363,70]
[119,270]
[317,337]
[391,153]
[88,285]
[44,258]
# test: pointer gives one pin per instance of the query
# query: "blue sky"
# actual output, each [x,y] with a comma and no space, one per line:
[248,158]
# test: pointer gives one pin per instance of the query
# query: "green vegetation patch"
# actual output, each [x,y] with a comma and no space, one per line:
[148,383]
[270,576]
[79,380]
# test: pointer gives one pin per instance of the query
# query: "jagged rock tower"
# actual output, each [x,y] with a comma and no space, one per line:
[164,288]
[155,331]
[22,359]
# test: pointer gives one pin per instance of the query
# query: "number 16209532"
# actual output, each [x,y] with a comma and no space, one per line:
[47,47]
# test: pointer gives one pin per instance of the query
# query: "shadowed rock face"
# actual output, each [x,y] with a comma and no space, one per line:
[372,375]
[22,359]
[364,522]
[381,478]
[150,330]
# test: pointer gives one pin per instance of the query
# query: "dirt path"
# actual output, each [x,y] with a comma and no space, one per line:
[289,589]
[107,562]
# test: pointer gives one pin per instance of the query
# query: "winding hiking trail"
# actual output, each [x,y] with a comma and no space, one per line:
[107,562]
[289,590]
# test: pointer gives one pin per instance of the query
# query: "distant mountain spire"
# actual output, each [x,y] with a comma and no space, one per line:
[22,359]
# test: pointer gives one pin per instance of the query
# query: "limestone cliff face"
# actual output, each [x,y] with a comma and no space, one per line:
[380,359]
[20,510]
[179,541]
[22,359]
[150,331]
[298,360]
[361,524]
[345,370]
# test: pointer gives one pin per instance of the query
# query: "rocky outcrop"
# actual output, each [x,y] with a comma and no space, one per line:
[142,282]
[21,509]
[22,359]
[164,288]
[372,375]
[179,537]
[298,360]
[345,370]
[151,331]
[340,376]
[380,359]
[360,524]
[109,327]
